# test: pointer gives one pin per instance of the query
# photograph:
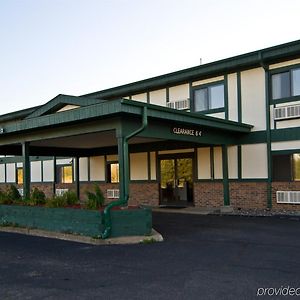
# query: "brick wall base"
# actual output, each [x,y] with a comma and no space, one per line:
[140,193]
[243,195]
[208,194]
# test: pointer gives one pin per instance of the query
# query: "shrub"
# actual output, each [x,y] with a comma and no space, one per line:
[95,200]
[71,198]
[57,201]
[4,199]
[13,194]
[37,197]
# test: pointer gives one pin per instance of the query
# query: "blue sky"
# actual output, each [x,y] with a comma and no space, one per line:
[48,47]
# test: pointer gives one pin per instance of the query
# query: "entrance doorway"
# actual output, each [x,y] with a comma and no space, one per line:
[176,180]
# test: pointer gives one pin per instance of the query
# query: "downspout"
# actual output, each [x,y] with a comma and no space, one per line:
[268,131]
[123,198]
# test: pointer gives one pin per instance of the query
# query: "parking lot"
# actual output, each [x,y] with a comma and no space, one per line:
[202,257]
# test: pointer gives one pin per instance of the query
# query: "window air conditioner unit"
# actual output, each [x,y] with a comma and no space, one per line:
[179,104]
[113,194]
[289,197]
[60,192]
[287,112]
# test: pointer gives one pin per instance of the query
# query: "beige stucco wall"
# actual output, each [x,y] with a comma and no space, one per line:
[285,64]
[48,171]
[232,97]
[83,169]
[288,123]
[203,163]
[254,161]
[2,173]
[253,98]
[138,166]
[232,162]
[286,145]
[11,172]
[176,151]
[179,92]
[158,97]
[209,80]
[140,97]
[97,168]
[218,168]
[36,171]
[153,165]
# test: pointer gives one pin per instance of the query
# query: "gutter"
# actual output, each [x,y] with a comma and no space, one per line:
[123,198]
[268,130]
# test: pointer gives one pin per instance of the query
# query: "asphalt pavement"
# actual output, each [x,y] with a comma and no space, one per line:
[202,257]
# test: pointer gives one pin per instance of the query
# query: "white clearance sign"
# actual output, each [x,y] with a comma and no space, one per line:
[186,131]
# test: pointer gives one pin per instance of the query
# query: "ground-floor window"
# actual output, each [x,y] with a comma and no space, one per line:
[286,167]
[19,175]
[113,172]
[64,174]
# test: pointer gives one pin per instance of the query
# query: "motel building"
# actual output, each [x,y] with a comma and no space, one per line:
[220,135]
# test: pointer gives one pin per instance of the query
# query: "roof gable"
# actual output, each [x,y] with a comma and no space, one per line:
[60,102]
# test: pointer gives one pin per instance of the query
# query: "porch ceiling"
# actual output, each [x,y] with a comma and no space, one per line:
[88,141]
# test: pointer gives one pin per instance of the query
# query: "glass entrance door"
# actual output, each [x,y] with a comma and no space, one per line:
[176,180]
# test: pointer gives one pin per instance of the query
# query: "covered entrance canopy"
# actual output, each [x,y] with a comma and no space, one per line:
[82,126]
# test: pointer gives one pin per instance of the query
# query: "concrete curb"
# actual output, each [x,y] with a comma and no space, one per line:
[153,237]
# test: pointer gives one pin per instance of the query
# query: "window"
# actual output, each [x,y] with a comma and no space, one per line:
[64,174]
[210,97]
[113,172]
[286,167]
[19,175]
[286,84]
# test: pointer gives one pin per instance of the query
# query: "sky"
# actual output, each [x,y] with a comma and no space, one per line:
[74,47]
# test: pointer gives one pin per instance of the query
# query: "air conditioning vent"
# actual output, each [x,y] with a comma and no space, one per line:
[60,192]
[179,104]
[287,112]
[113,194]
[289,197]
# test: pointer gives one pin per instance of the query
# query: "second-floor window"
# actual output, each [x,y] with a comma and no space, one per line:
[286,84]
[209,97]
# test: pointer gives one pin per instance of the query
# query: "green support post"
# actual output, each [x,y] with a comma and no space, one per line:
[77,179]
[123,174]
[225,176]
[54,176]
[26,170]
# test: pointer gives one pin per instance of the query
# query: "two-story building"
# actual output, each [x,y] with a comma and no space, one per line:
[223,133]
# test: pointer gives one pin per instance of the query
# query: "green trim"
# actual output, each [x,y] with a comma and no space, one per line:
[111,109]
[209,84]
[212,163]
[167,94]
[284,69]
[285,100]
[229,65]
[233,180]
[282,152]
[26,170]
[226,96]
[59,102]
[239,96]
[225,176]
[212,111]
[77,176]
[239,148]
[268,135]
